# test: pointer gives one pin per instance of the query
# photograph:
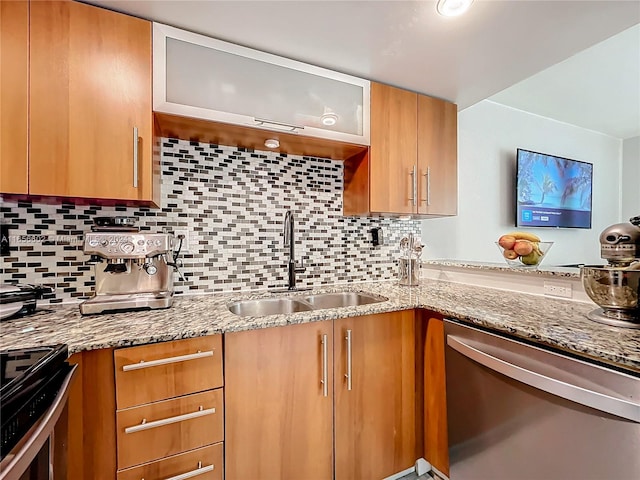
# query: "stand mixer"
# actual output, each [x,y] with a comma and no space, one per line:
[133,270]
[616,287]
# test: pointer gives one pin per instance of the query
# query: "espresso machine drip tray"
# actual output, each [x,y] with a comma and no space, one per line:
[122,301]
[615,317]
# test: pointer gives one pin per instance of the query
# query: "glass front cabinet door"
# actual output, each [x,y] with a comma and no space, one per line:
[237,85]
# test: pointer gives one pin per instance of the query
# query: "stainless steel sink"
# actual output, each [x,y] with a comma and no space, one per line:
[268,306]
[341,299]
[278,306]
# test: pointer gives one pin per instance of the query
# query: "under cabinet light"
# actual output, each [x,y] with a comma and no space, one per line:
[271,143]
[453,8]
[329,119]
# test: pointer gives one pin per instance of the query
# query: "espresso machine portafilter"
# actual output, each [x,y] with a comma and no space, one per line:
[133,270]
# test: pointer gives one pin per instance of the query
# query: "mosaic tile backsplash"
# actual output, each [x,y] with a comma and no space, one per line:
[232,201]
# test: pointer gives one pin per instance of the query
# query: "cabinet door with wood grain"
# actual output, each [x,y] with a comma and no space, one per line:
[436,442]
[376,411]
[14,81]
[279,403]
[393,152]
[90,103]
[161,429]
[437,157]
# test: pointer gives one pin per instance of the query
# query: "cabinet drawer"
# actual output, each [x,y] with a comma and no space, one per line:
[159,371]
[203,464]
[161,429]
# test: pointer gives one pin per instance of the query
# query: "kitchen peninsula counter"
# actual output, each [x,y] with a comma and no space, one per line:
[550,322]
[541,271]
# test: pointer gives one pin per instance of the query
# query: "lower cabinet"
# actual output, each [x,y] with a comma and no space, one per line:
[279,403]
[204,464]
[148,412]
[157,430]
[356,398]
[375,395]
[303,400]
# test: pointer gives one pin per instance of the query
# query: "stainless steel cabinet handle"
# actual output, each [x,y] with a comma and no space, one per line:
[288,127]
[135,157]
[168,421]
[427,177]
[166,361]
[413,197]
[349,366]
[563,389]
[325,366]
[193,473]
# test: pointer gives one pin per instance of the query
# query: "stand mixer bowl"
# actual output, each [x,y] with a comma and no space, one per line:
[616,290]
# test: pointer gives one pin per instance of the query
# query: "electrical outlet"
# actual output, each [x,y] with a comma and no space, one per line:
[185,240]
[557,289]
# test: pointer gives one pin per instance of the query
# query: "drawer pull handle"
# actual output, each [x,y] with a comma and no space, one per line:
[167,361]
[193,473]
[144,425]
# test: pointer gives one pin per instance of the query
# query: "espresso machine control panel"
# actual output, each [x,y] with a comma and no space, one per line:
[127,245]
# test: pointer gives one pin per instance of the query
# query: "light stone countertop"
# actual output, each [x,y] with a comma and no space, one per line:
[555,323]
[541,271]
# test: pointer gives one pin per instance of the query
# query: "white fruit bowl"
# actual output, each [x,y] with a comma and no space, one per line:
[531,261]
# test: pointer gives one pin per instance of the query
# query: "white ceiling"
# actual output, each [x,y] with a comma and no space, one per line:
[495,45]
[597,89]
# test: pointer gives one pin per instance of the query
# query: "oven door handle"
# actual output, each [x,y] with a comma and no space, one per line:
[23,457]
[605,403]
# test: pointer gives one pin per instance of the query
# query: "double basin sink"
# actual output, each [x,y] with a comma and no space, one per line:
[284,305]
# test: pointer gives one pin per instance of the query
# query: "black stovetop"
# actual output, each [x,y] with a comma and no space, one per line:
[30,379]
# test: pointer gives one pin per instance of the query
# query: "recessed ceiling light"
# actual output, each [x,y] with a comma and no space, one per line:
[271,143]
[329,119]
[453,8]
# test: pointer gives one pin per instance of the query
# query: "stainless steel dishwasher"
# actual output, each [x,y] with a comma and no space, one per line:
[519,412]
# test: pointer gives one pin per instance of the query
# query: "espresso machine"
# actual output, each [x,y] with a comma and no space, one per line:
[133,270]
[615,287]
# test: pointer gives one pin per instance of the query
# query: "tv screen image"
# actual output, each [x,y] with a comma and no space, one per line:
[553,191]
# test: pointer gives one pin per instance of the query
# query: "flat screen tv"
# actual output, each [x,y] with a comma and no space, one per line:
[552,191]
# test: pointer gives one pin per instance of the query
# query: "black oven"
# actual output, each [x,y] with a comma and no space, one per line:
[33,413]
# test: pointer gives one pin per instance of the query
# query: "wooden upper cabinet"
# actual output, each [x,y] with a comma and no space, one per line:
[377,431]
[14,72]
[411,166]
[90,89]
[393,150]
[437,157]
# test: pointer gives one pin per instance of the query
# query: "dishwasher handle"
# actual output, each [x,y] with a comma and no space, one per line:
[605,403]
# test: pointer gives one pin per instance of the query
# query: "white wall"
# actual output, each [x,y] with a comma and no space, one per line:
[630,178]
[488,136]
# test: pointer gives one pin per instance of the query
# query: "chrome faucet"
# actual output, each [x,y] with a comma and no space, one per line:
[289,241]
